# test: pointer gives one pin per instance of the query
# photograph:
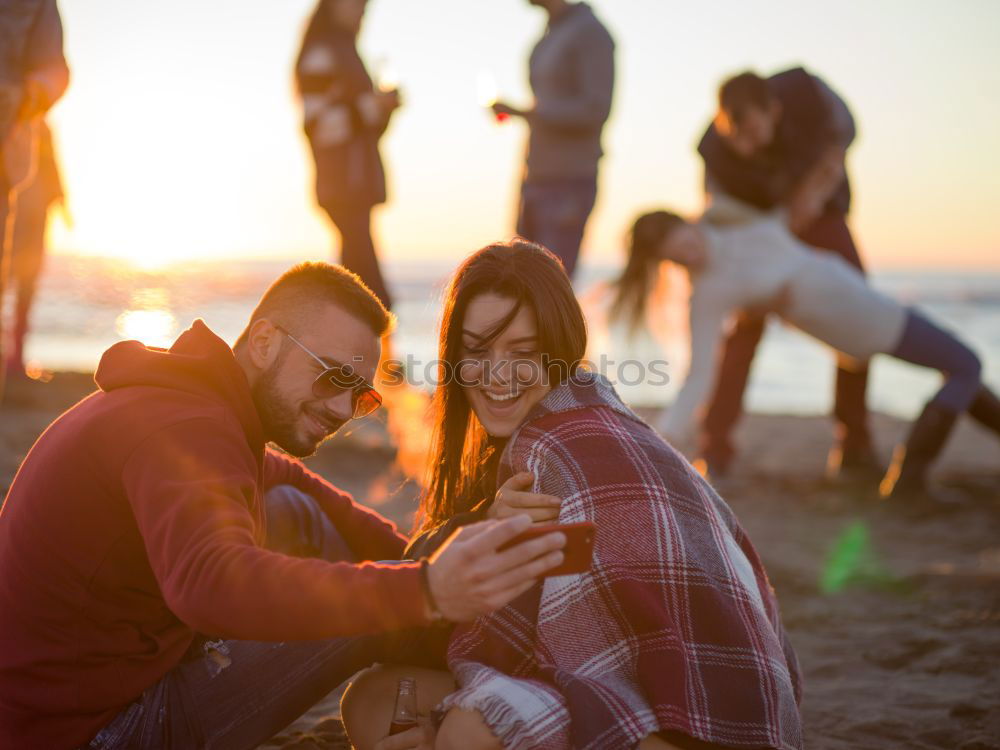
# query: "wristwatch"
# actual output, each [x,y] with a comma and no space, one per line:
[425,582]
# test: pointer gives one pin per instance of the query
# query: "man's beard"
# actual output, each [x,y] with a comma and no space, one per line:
[280,419]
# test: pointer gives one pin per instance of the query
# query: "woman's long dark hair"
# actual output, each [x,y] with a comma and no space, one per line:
[464,458]
[634,287]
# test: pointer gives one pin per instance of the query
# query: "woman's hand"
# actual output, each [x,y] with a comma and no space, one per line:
[420,737]
[514,499]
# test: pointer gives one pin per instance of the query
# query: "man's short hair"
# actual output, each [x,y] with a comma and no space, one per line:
[302,289]
[741,93]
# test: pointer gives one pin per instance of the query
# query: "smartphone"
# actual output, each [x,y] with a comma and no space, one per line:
[578,552]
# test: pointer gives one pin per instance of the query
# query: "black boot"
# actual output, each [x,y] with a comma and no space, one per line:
[855,462]
[985,409]
[852,457]
[906,478]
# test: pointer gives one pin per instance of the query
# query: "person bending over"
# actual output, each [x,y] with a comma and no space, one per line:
[758,264]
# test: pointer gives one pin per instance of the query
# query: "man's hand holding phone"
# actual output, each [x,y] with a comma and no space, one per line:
[472,575]
[578,553]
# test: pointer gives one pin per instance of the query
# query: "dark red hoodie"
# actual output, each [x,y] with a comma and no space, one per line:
[136,520]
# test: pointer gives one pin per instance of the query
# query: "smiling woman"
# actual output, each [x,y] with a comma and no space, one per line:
[501,368]
[508,340]
[675,590]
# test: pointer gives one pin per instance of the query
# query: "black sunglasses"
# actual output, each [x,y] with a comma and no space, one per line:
[337,378]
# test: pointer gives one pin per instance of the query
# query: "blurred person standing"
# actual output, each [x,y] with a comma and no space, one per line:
[28,242]
[344,118]
[772,144]
[33,75]
[572,73]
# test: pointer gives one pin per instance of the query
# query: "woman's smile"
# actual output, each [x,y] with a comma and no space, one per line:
[504,376]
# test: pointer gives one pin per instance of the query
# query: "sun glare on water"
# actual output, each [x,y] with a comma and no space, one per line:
[148,319]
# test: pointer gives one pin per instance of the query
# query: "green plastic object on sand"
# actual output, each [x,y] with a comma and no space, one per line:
[851,561]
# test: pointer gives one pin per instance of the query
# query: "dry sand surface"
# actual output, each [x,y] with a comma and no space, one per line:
[900,647]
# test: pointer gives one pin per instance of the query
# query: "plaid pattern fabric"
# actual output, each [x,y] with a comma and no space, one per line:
[676,626]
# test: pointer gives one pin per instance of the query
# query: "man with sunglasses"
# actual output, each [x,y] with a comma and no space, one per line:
[168,581]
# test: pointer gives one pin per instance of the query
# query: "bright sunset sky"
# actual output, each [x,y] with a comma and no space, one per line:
[180,133]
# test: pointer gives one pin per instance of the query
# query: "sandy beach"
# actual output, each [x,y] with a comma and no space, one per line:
[894,613]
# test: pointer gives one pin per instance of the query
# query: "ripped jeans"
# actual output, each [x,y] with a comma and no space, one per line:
[237,694]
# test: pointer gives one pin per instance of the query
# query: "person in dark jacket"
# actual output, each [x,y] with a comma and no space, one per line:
[344,118]
[774,143]
[572,75]
[168,581]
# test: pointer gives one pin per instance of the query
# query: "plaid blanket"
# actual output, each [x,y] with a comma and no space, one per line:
[676,626]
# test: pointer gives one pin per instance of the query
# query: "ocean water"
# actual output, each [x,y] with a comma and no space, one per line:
[86,304]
